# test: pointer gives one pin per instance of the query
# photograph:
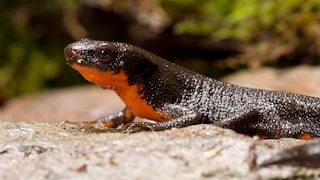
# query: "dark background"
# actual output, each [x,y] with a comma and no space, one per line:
[213,37]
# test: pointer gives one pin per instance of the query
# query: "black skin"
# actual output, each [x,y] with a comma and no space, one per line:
[190,98]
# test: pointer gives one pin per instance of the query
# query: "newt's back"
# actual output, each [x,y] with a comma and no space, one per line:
[278,113]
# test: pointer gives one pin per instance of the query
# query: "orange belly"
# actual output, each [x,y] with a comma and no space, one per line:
[130,95]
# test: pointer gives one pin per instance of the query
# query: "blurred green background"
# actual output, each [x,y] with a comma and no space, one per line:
[213,37]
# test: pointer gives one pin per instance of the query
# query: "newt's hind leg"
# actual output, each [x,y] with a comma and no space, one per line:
[241,123]
[111,121]
[252,122]
[249,123]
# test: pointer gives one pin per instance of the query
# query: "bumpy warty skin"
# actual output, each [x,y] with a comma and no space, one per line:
[215,100]
[175,90]
[280,112]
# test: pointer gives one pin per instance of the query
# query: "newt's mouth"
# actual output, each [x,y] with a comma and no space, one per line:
[72,57]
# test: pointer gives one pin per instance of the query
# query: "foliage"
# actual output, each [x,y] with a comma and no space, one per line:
[242,20]
[33,34]
[28,61]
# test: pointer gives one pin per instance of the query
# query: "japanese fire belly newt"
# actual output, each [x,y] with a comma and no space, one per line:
[174,97]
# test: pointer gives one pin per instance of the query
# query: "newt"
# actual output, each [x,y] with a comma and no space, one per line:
[175,97]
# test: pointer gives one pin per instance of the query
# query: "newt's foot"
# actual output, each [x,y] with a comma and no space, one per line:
[64,124]
[81,125]
[135,127]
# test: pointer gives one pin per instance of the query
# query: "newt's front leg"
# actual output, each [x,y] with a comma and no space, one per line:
[112,121]
[187,119]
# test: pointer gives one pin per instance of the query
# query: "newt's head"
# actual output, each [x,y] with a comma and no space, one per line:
[99,62]
[99,55]
[110,64]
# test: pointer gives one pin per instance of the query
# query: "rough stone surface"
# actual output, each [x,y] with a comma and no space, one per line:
[32,146]
[45,151]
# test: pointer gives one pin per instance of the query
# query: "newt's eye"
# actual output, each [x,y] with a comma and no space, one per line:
[104,54]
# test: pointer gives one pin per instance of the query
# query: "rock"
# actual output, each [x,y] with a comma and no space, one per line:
[45,151]
[32,146]
[301,79]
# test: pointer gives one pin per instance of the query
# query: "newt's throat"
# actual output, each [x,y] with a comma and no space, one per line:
[103,79]
[131,95]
